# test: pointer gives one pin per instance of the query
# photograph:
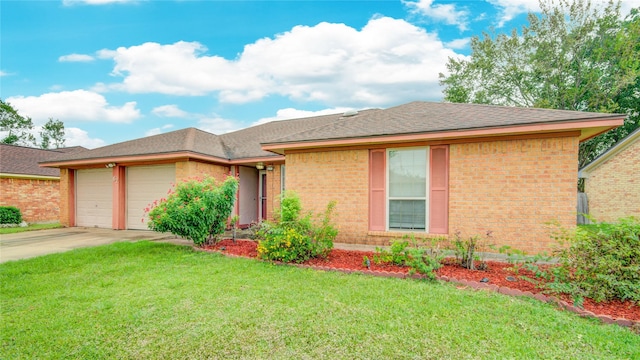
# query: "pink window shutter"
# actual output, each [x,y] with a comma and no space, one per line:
[439,190]
[377,195]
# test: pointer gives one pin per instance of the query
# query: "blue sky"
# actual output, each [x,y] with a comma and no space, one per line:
[116,70]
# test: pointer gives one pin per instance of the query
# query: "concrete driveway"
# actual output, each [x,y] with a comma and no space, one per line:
[35,243]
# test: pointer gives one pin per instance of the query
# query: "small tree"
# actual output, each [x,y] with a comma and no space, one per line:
[52,134]
[196,210]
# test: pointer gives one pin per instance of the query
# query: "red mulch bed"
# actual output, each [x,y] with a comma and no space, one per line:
[497,274]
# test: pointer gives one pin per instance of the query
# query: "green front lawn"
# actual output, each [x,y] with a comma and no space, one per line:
[154,300]
[31,227]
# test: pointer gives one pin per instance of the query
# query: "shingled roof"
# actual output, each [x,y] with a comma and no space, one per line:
[20,160]
[431,117]
[245,143]
[186,140]
[240,144]
[413,118]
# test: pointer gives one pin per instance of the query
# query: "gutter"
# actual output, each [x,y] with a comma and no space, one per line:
[28,177]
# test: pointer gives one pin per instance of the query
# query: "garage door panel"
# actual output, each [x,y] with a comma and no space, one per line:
[144,185]
[94,201]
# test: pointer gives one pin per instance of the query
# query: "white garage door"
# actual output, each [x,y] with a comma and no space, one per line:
[94,202]
[144,185]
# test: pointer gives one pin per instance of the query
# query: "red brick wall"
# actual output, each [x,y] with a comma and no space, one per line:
[334,175]
[513,188]
[189,169]
[273,190]
[65,202]
[38,200]
[613,188]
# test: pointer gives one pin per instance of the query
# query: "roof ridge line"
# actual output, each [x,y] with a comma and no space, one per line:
[190,139]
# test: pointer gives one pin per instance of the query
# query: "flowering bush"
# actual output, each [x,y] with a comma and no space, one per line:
[196,210]
[285,244]
[296,238]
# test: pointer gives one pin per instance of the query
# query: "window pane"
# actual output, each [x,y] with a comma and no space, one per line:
[407,173]
[407,214]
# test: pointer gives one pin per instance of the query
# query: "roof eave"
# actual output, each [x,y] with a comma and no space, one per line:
[257,159]
[28,176]
[615,149]
[128,159]
[588,129]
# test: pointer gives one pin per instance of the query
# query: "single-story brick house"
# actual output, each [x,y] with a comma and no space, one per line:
[423,168]
[612,181]
[33,189]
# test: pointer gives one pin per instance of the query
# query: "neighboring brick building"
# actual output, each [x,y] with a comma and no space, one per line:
[428,169]
[32,189]
[612,181]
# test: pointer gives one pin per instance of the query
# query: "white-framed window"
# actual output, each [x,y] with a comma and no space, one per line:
[409,189]
[407,175]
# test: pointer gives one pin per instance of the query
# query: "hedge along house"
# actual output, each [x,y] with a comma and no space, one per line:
[422,168]
[32,189]
[612,181]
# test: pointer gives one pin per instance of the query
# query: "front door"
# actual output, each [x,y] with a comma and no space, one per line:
[249,195]
[263,195]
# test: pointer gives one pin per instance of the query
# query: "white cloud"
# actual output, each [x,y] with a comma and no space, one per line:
[458,43]
[78,137]
[447,13]
[158,130]
[77,105]
[76,58]
[291,113]
[509,9]
[386,62]
[169,111]
[512,8]
[217,125]
[3,73]
[627,5]
[177,69]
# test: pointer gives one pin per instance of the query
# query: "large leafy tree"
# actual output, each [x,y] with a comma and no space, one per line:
[573,56]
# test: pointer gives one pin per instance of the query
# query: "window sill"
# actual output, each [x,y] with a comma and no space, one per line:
[400,233]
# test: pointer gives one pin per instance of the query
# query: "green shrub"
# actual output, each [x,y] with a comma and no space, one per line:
[285,244]
[323,233]
[421,256]
[196,210]
[395,255]
[601,262]
[519,259]
[296,238]
[10,215]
